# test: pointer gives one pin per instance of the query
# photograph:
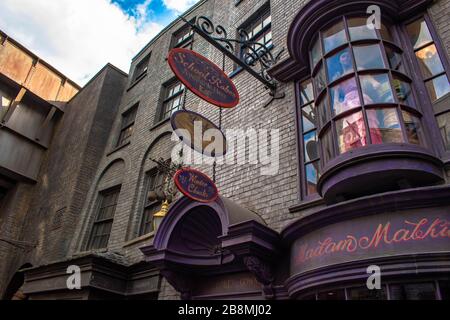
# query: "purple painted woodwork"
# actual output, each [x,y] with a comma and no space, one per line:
[426,202]
[212,239]
[316,14]
[380,171]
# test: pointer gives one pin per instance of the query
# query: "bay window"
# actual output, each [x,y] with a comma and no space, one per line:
[364,96]
[431,64]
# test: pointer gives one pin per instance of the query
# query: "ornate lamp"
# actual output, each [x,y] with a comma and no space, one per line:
[166,194]
[160,215]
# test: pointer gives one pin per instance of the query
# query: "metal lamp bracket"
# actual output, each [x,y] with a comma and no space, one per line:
[254,54]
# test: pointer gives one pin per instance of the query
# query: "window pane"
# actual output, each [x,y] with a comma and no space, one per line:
[324,111]
[316,53]
[351,132]
[334,37]
[365,294]
[438,87]
[327,146]
[319,80]
[359,30]
[403,91]
[416,291]
[267,21]
[386,33]
[384,126]
[306,92]
[429,61]
[345,96]
[312,176]
[376,89]
[395,60]
[339,65]
[413,128]
[368,57]
[444,127]
[419,33]
[309,120]
[310,144]
[332,295]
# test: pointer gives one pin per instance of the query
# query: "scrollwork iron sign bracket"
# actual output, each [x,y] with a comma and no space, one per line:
[253,53]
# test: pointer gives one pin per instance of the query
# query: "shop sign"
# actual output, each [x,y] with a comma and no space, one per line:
[199,133]
[373,237]
[203,78]
[196,185]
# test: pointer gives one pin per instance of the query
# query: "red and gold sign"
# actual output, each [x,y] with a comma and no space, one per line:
[373,237]
[196,185]
[203,78]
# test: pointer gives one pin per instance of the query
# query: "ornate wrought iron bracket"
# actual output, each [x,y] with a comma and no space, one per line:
[251,53]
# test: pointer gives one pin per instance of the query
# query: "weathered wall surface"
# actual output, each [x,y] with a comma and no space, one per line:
[45,214]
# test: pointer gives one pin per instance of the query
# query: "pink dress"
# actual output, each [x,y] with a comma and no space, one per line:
[353,133]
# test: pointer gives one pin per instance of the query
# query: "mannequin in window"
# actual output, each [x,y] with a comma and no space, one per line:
[343,66]
[347,97]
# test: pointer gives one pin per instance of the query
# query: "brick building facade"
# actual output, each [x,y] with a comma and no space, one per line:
[88,206]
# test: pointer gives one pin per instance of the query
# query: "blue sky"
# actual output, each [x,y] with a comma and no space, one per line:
[159,11]
[78,37]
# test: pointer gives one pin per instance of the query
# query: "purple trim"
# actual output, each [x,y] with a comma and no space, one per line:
[362,169]
[404,200]
[316,14]
[355,273]
[236,239]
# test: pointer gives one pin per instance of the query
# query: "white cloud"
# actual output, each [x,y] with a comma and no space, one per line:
[179,5]
[78,37]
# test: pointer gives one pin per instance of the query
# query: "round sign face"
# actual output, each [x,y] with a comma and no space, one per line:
[196,185]
[203,78]
[199,133]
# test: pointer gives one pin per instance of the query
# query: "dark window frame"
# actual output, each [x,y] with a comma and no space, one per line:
[102,206]
[420,81]
[141,69]
[128,121]
[257,18]
[164,113]
[387,286]
[153,180]
[188,41]
[300,143]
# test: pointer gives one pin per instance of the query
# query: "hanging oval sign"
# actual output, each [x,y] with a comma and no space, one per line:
[199,133]
[203,78]
[196,185]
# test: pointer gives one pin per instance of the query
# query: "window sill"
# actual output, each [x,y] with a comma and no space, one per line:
[89,252]
[306,205]
[139,79]
[118,148]
[139,240]
[159,124]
